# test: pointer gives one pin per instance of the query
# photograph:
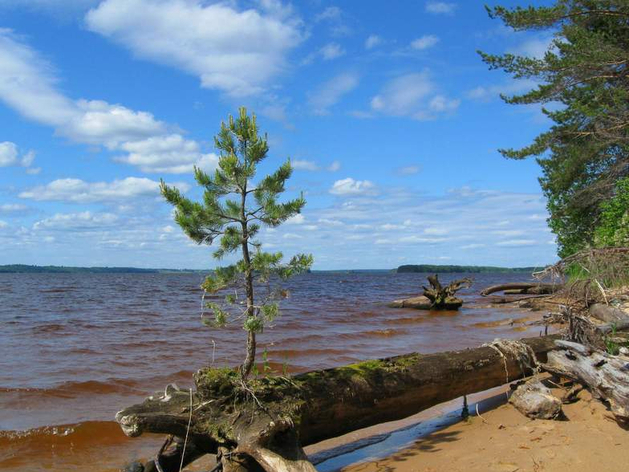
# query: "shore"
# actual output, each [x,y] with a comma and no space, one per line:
[503,440]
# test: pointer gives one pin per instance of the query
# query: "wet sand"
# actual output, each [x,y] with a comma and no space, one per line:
[504,440]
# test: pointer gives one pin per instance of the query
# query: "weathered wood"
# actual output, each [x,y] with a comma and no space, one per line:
[321,404]
[534,399]
[605,375]
[418,303]
[608,313]
[443,298]
[531,288]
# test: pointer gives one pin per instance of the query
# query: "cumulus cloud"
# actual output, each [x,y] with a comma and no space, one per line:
[413,95]
[335,166]
[443,8]
[76,221]
[352,187]
[534,47]
[330,13]
[425,42]
[332,51]
[11,156]
[80,191]
[373,41]
[303,164]
[167,154]
[12,208]
[28,85]
[331,92]
[235,51]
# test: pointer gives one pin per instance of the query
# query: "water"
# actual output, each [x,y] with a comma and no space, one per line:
[76,348]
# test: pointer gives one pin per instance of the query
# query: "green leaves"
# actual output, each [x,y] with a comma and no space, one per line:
[225,214]
[584,75]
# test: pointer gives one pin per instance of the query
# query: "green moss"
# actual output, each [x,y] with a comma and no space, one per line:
[214,383]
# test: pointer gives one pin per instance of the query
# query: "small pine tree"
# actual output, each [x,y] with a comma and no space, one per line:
[235,222]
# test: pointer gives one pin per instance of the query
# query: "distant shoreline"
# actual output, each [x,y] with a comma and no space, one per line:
[451,269]
[34,269]
[419,268]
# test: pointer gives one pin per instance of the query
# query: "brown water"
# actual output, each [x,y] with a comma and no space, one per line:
[76,348]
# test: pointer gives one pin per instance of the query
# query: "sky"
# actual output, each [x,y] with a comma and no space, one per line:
[390,118]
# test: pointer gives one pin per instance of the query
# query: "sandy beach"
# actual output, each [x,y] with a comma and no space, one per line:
[503,440]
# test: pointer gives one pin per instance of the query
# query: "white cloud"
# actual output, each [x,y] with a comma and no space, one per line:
[298,219]
[425,42]
[167,154]
[473,246]
[350,186]
[302,164]
[27,84]
[237,52]
[515,86]
[373,41]
[12,208]
[335,166]
[332,91]
[413,95]
[330,13]
[409,170]
[517,242]
[80,191]
[332,51]
[10,156]
[440,7]
[77,221]
[534,47]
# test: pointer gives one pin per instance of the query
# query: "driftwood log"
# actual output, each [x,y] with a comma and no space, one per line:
[608,313]
[523,288]
[606,376]
[264,424]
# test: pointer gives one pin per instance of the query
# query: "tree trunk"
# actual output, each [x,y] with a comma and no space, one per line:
[525,288]
[270,419]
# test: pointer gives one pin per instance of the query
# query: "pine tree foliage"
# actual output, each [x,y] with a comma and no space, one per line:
[230,216]
[585,152]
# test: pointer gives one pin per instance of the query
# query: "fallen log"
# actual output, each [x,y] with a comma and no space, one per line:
[608,313]
[532,288]
[269,420]
[418,303]
[605,375]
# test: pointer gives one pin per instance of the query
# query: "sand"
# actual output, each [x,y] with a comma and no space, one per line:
[504,440]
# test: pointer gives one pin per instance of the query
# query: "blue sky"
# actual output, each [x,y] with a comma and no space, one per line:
[388,114]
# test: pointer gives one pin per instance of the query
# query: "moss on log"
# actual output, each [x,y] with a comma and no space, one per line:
[275,416]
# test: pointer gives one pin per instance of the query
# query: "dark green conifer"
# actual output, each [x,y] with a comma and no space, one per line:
[231,213]
[585,71]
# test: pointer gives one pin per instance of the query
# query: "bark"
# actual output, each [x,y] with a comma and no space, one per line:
[270,419]
[524,288]
[605,375]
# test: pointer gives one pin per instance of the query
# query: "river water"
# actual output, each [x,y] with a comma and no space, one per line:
[76,348]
